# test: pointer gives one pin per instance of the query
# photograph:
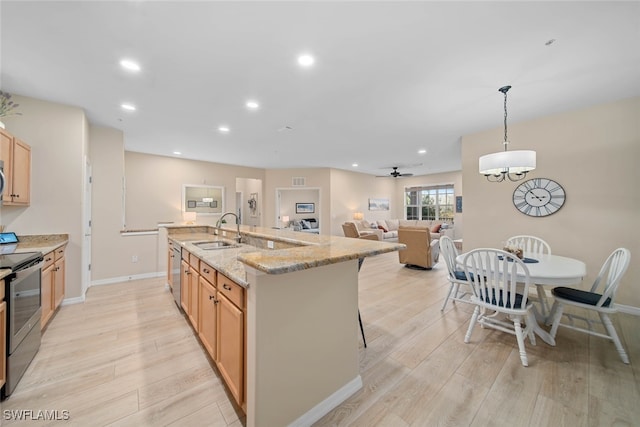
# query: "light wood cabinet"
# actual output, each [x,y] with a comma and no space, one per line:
[189,280]
[207,324]
[53,284]
[16,155]
[215,306]
[170,256]
[231,336]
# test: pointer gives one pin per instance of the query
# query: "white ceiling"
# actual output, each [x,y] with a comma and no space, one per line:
[390,77]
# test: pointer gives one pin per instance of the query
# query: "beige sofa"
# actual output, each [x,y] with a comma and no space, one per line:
[388,229]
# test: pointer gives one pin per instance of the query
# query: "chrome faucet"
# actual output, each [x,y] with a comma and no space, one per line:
[219,223]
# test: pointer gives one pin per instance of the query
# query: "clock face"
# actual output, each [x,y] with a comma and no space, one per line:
[539,197]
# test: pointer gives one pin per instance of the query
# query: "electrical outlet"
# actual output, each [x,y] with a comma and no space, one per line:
[134,258]
[270,244]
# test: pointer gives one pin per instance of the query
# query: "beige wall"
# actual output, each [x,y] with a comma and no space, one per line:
[281,178]
[247,186]
[593,153]
[58,138]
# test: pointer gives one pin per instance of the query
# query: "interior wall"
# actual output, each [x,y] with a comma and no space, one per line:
[248,186]
[593,153]
[282,178]
[289,198]
[350,193]
[58,139]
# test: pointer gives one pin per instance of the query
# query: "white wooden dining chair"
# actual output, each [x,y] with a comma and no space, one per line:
[456,274]
[600,298]
[533,247]
[495,274]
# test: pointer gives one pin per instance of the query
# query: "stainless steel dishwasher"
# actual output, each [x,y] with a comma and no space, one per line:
[175,273]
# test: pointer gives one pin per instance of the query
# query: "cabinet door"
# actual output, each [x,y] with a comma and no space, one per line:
[169,266]
[46,295]
[3,341]
[208,312]
[6,155]
[194,302]
[184,288]
[21,173]
[231,346]
[59,281]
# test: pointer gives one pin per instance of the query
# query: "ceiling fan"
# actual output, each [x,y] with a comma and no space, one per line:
[394,173]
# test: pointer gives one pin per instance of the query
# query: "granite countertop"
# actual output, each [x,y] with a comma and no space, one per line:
[44,243]
[304,250]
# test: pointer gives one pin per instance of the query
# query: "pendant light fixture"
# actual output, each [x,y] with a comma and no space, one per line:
[514,165]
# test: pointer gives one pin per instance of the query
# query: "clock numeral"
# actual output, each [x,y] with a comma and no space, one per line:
[555,204]
[537,211]
[521,205]
[557,196]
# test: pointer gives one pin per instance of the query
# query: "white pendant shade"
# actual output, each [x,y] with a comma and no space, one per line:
[511,162]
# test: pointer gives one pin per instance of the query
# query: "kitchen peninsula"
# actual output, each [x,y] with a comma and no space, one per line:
[300,314]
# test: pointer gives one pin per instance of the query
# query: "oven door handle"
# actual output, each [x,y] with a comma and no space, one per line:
[26,271]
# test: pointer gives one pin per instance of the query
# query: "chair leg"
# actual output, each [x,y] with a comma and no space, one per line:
[362,329]
[474,319]
[520,338]
[531,325]
[606,321]
[556,314]
[444,305]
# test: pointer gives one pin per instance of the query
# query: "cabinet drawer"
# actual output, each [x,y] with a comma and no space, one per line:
[48,260]
[185,255]
[2,285]
[208,273]
[194,261]
[59,253]
[231,290]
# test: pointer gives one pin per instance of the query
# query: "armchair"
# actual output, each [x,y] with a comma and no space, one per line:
[350,230]
[421,251]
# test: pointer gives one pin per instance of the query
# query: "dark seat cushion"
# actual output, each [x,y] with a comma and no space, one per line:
[578,295]
[461,276]
[507,303]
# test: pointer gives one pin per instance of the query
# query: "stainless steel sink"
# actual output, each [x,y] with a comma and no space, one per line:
[215,244]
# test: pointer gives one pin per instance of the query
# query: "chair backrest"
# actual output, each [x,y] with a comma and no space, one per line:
[495,278]
[610,274]
[530,244]
[350,230]
[449,252]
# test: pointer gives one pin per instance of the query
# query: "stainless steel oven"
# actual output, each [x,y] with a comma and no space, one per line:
[22,294]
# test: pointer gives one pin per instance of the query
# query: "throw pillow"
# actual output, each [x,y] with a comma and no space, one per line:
[436,228]
[382,228]
[305,224]
[392,224]
[382,225]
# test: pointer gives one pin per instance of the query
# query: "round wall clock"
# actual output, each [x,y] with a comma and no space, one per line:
[539,197]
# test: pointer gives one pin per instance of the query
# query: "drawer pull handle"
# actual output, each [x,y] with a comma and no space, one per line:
[211,297]
[206,271]
[227,287]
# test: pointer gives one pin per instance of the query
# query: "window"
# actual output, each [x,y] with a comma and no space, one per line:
[429,203]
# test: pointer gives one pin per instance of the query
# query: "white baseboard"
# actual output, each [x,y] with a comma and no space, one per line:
[629,309]
[327,405]
[71,301]
[121,279]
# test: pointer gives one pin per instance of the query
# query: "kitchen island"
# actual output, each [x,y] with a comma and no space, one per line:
[301,316]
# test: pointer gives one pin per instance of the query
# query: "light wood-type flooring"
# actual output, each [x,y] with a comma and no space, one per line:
[126,357]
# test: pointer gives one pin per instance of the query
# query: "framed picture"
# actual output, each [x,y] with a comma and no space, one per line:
[305,208]
[458,204]
[378,204]
[253,204]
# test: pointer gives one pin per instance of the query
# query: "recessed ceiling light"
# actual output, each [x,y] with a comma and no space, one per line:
[252,105]
[355,165]
[422,151]
[177,153]
[224,129]
[306,60]
[128,107]
[550,42]
[129,65]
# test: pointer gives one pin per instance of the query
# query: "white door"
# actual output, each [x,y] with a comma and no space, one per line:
[86,229]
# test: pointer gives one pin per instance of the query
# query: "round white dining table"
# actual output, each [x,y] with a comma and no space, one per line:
[550,270]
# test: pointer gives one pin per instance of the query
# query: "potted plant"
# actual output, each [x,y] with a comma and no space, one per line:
[7,107]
